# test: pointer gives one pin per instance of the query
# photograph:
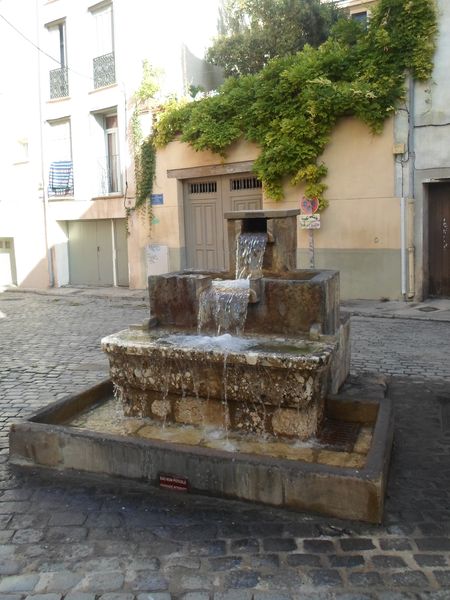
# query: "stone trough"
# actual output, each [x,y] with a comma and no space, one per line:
[343,474]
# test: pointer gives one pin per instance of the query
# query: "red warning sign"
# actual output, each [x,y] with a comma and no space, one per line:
[173,482]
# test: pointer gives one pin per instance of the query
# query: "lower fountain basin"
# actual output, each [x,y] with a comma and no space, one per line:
[342,473]
[258,384]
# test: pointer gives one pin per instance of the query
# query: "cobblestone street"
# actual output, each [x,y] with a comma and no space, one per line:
[83,539]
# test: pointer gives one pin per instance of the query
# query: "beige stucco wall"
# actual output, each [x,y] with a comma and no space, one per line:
[362,220]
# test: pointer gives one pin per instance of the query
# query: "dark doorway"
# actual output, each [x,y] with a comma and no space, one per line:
[439,239]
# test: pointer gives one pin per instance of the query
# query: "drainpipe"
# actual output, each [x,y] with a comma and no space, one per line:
[411,250]
[403,245]
[411,192]
[50,266]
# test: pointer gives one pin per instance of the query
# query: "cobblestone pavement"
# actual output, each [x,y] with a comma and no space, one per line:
[420,349]
[86,540]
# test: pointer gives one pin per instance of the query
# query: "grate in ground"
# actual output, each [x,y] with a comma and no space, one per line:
[339,435]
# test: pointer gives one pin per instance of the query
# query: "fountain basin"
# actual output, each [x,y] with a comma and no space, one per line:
[343,478]
[262,384]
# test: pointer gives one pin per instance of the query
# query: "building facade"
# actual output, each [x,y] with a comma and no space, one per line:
[69,172]
[67,100]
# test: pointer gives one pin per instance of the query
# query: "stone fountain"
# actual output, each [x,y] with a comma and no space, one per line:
[236,385]
[273,378]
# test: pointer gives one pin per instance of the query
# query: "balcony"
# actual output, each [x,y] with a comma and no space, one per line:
[109,175]
[59,83]
[104,70]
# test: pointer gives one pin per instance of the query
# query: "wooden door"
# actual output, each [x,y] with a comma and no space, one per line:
[204,230]
[439,239]
[206,201]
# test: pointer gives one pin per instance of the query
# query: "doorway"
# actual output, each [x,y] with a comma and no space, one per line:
[206,201]
[439,239]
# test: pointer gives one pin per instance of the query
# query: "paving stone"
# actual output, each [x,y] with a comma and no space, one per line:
[415,579]
[215,548]
[242,579]
[356,544]
[66,535]
[79,596]
[10,566]
[27,536]
[148,581]
[116,596]
[325,577]
[19,583]
[388,562]
[66,519]
[271,596]
[279,545]
[365,580]
[101,582]
[319,546]
[262,561]
[60,581]
[224,563]
[433,544]
[395,544]
[430,560]
[245,545]
[304,560]
[44,597]
[154,596]
[349,560]
[352,596]
[195,596]
[234,595]
[187,562]
[443,578]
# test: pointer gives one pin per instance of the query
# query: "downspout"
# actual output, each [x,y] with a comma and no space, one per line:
[50,267]
[410,212]
[403,246]
[411,249]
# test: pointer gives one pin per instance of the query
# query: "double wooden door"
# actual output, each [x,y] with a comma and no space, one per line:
[206,201]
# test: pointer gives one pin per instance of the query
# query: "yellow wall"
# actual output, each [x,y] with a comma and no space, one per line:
[363,214]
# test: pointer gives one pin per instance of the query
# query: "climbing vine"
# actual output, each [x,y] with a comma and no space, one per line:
[290,107]
[143,149]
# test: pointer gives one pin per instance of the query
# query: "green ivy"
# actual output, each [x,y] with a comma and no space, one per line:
[291,106]
[144,150]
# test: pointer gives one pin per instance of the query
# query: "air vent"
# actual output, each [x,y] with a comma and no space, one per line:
[245,183]
[204,187]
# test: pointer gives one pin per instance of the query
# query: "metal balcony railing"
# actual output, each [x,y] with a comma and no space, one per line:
[59,83]
[104,70]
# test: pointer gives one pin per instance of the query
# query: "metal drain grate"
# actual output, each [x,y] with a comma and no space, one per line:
[428,309]
[339,435]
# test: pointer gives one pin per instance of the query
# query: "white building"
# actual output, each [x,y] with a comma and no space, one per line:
[66,99]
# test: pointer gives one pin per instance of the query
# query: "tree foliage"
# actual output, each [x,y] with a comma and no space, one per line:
[255,31]
[290,107]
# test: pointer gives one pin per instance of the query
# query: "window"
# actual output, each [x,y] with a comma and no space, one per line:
[59,152]
[112,153]
[59,79]
[104,70]
[361,17]
[106,143]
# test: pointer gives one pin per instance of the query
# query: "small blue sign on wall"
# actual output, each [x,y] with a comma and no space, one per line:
[157,199]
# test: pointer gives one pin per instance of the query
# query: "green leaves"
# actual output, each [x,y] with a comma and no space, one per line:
[289,108]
